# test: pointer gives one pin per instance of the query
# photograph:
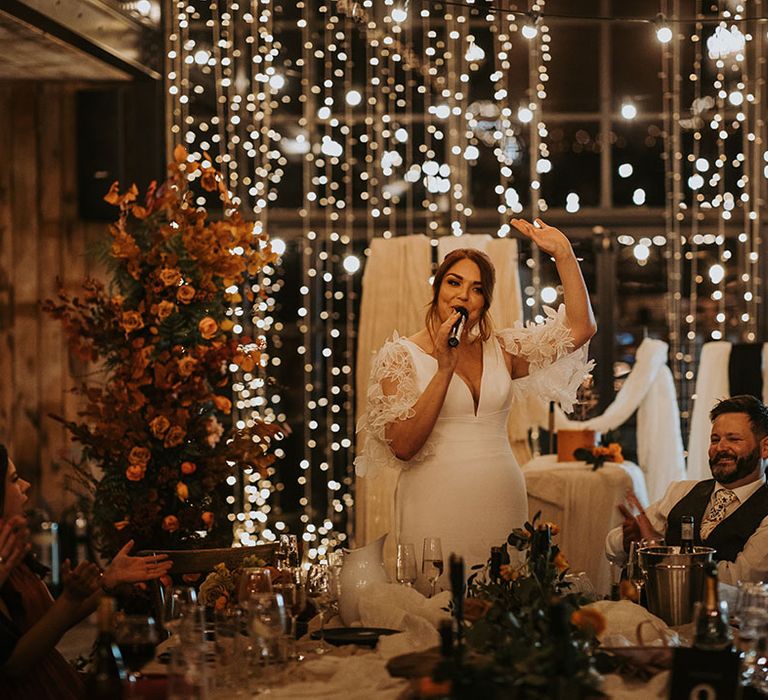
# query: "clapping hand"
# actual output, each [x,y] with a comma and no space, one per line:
[635,527]
[548,238]
[14,544]
[81,582]
[127,569]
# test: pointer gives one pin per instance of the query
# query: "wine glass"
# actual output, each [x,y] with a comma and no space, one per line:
[294,594]
[266,623]
[635,574]
[178,603]
[405,564]
[137,637]
[322,590]
[432,562]
[253,582]
[287,552]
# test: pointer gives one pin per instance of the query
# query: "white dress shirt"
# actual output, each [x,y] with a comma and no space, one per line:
[751,563]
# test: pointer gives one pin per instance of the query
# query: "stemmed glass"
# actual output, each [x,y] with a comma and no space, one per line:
[405,564]
[432,562]
[267,623]
[179,602]
[634,572]
[322,590]
[137,637]
[294,595]
[287,552]
[253,581]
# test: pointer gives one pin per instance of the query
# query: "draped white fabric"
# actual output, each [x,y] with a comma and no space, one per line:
[712,385]
[395,294]
[649,389]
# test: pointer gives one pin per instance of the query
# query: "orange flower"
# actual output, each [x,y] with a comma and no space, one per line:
[180,154]
[187,366]
[207,518]
[124,245]
[207,327]
[560,562]
[174,436]
[159,426]
[169,276]
[139,456]
[553,527]
[508,572]
[182,492]
[165,309]
[428,688]
[114,196]
[131,321]
[135,472]
[185,293]
[188,468]
[588,620]
[221,602]
[170,523]
[209,180]
[121,524]
[222,403]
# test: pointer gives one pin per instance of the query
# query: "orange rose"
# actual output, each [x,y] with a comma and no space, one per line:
[121,524]
[174,436]
[509,572]
[139,456]
[159,426]
[131,321]
[165,309]
[187,366]
[560,562]
[207,518]
[170,523]
[182,492]
[188,468]
[553,527]
[588,620]
[169,276]
[135,472]
[207,327]
[221,602]
[124,246]
[222,403]
[185,293]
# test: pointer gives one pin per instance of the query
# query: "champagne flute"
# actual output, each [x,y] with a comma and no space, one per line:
[322,590]
[432,562]
[137,637]
[634,572]
[405,564]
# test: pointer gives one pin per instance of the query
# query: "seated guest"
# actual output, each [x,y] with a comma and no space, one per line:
[31,622]
[730,511]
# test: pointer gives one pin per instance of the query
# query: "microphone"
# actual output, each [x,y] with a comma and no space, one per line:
[458,328]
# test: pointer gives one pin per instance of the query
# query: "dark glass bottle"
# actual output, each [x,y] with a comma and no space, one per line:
[495,567]
[686,534]
[106,680]
[711,624]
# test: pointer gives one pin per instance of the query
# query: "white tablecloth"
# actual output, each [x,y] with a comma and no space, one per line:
[584,504]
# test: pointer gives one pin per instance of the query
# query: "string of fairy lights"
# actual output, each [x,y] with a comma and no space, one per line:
[372,110]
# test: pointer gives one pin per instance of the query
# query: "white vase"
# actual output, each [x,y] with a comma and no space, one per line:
[361,568]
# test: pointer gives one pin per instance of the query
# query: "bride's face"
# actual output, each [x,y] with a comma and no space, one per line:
[461,286]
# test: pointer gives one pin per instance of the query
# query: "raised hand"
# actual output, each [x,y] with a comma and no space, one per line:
[127,569]
[81,582]
[548,238]
[14,544]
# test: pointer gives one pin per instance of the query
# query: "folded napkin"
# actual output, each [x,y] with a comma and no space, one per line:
[401,608]
[629,624]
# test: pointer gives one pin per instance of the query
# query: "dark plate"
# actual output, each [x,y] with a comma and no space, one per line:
[362,636]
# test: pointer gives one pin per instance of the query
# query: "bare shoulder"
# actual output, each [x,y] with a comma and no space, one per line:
[423,340]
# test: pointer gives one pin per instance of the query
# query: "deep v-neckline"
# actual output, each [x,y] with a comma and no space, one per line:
[464,380]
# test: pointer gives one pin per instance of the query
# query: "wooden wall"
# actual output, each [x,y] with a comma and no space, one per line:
[41,239]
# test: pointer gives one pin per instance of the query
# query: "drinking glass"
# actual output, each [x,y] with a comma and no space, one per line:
[266,624]
[188,673]
[405,564]
[323,591]
[178,603]
[137,637]
[287,552]
[753,627]
[432,562]
[634,572]
[253,581]
[294,594]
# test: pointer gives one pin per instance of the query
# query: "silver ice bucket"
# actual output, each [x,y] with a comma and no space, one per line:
[673,581]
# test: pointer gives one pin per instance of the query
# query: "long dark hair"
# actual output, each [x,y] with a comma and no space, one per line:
[487,282]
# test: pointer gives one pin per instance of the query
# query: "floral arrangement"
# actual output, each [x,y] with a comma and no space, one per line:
[159,423]
[219,590]
[529,636]
[600,454]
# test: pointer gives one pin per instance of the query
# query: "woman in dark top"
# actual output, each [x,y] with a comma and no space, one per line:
[31,621]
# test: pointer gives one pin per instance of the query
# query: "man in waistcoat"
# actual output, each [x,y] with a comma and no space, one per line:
[730,511]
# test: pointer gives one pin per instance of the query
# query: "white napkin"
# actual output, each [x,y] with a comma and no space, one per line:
[623,618]
[402,608]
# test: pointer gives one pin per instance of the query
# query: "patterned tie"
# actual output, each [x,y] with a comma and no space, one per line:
[723,498]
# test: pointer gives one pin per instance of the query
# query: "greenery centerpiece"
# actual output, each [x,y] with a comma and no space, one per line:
[157,421]
[528,636]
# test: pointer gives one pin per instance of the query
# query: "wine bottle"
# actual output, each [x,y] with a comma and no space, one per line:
[106,680]
[686,534]
[711,624]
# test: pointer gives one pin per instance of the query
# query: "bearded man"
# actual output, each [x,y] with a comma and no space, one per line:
[730,511]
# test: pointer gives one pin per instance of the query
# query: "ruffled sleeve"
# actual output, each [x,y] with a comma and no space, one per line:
[555,370]
[393,362]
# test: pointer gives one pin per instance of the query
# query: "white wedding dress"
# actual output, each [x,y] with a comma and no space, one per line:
[465,485]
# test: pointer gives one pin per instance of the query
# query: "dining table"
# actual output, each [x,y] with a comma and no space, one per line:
[583,502]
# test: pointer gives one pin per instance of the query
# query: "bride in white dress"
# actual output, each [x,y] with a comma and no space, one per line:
[439,413]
